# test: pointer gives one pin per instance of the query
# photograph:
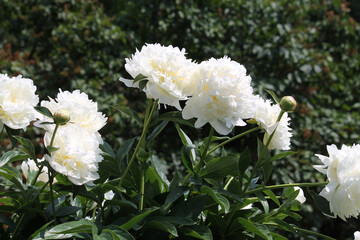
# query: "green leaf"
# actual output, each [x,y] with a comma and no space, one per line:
[175,194]
[157,130]
[263,201]
[159,171]
[258,229]
[272,196]
[27,145]
[267,170]
[13,156]
[11,132]
[113,232]
[321,203]
[282,155]
[129,112]
[186,153]
[191,208]
[37,235]
[123,150]
[220,167]
[13,176]
[142,84]
[198,231]
[51,149]
[175,117]
[273,95]
[66,210]
[120,203]
[163,226]
[66,230]
[221,200]
[244,163]
[108,149]
[44,111]
[133,221]
[175,181]
[174,220]
[186,142]
[139,77]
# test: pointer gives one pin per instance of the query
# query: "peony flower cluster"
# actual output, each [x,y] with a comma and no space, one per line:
[223,95]
[217,91]
[167,71]
[342,168]
[78,141]
[17,101]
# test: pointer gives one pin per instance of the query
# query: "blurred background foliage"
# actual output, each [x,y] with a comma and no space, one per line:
[306,48]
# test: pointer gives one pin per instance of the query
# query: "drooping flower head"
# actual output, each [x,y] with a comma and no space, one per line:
[342,168]
[266,115]
[78,153]
[166,69]
[17,101]
[82,111]
[223,95]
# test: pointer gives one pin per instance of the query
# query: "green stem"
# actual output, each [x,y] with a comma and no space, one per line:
[53,135]
[18,225]
[142,188]
[142,137]
[259,161]
[233,138]
[204,154]
[285,185]
[228,183]
[52,196]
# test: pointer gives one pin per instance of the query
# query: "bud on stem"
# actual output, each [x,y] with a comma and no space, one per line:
[288,104]
[61,117]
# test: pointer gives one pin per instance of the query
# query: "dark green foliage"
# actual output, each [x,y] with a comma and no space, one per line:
[307,49]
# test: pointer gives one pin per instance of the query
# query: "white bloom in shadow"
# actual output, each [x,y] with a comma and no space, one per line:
[300,197]
[266,115]
[357,235]
[78,153]
[17,101]
[222,96]
[83,111]
[342,168]
[167,71]
[30,166]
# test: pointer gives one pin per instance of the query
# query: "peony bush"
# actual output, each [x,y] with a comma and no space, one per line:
[82,188]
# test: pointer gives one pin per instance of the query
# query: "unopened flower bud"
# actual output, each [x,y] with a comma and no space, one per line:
[61,117]
[288,104]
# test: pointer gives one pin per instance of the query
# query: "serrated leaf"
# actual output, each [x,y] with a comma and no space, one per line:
[44,111]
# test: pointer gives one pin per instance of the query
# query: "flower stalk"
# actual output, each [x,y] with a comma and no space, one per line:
[147,122]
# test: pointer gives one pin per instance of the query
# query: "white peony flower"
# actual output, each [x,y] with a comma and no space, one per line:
[109,195]
[223,95]
[78,154]
[167,71]
[30,165]
[342,168]
[81,109]
[300,197]
[266,116]
[357,235]
[17,101]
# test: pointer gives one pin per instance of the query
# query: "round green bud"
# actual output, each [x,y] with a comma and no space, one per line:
[61,117]
[288,104]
